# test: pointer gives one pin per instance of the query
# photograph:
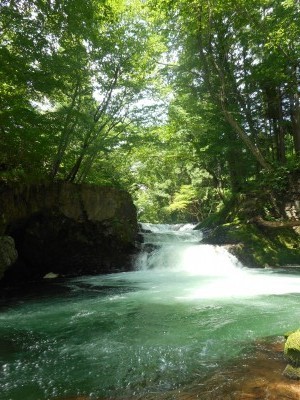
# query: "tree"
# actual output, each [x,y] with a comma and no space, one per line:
[243,57]
[78,78]
[80,68]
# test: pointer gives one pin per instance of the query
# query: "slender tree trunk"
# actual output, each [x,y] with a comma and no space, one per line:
[232,120]
[275,115]
[209,63]
[101,109]
[295,115]
[279,140]
[245,138]
[235,171]
[86,167]
[66,134]
[64,142]
[281,150]
[217,183]
[74,171]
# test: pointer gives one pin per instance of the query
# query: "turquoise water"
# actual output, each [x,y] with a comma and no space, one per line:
[188,310]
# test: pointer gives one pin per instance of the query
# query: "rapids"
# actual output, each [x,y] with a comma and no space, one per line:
[185,311]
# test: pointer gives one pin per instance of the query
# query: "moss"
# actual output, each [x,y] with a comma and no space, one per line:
[292,348]
[258,247]
[287,334]
[264,247]
[253,244]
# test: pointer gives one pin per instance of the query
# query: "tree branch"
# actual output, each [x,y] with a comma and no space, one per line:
[275,224]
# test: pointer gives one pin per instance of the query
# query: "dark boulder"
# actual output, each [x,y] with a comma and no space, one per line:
[68,229]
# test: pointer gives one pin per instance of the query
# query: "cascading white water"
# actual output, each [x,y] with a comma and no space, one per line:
[190,258]
[217,273]
[178,248]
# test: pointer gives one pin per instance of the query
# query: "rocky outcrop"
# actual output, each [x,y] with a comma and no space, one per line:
[67,229]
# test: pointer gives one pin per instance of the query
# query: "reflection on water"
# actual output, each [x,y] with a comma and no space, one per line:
[175,324]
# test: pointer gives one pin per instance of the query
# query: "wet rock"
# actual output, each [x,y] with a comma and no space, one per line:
[292,353]
[292,372]
[142,229]
[292,348]
[51,275]
[8,253]
[222,235]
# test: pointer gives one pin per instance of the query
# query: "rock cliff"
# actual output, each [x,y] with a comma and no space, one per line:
[66,229]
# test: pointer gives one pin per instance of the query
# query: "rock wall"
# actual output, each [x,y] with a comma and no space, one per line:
[67,229]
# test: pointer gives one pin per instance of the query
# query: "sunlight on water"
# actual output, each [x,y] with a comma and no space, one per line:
[186,310]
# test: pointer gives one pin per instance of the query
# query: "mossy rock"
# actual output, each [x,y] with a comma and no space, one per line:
[255,246]
[287,334]
[292,348]
[292,372]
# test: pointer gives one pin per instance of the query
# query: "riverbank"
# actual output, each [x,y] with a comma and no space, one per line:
[257,246]
[260,227]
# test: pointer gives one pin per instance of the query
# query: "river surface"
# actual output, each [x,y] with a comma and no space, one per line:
[187,310]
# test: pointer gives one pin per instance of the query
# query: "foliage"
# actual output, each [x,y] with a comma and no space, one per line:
[73,76]
[189,105]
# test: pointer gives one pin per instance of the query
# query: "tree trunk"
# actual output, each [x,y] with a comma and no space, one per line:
[279,140]
[217,183]
[66,133]
[275,224]
[295,115]
[209,63]
[74,171]
[245,138]
[275,116]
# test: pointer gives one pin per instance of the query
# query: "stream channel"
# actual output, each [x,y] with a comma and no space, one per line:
[186,311]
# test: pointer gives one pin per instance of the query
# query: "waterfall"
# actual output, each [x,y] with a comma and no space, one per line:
[177,252]
[179,248]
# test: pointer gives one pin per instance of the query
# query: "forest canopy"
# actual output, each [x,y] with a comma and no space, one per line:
[183,103]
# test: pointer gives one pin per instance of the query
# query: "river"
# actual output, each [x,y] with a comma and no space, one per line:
[185,312]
